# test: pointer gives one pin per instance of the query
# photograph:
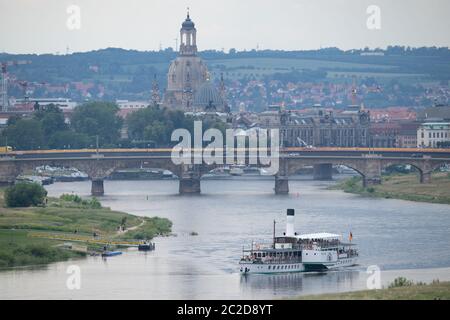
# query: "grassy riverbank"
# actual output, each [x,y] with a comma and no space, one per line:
[60,218]
[405,186]
[435,290]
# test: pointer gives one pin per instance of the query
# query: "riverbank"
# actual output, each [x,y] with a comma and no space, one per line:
[433,291]
[33,236]
[405,187]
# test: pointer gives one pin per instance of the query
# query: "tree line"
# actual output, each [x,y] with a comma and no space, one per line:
[99,122]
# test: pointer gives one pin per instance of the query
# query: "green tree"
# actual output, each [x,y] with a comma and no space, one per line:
[98,118]
[25,134]
[25,194]
[156,124]
[52,120]
[69,139]
[158,132]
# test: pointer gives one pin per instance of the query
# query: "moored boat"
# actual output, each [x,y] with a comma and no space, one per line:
[111,253]
[146,246]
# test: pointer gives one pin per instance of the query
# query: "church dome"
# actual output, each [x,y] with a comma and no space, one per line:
[208,96]
[188,24]
[184,68]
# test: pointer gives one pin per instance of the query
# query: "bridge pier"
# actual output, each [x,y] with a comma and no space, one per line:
[97,188]
[425,177]
[371,172]
[323,171]
[281,185]
[189,185]
[371,181]
[189,179]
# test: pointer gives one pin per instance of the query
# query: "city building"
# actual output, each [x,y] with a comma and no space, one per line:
[125,104]
[433,135]
[438,113]
[187,72]
[384,134]
[407,134]
[321,127]
[393,114]
[189,87]
[327,129]
[29,104]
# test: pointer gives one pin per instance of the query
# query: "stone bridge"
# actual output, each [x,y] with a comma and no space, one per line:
[99,167]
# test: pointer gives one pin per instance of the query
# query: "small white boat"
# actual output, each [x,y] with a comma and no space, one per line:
[296,253]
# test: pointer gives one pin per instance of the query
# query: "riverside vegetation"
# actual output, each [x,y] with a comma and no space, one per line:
[68,215]
[400,289]
[403,186]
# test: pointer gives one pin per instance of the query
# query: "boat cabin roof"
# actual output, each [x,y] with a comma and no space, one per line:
[320,235]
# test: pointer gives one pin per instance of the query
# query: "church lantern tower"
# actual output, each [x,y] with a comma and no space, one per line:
[188,36]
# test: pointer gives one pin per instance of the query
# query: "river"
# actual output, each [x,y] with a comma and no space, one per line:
[402,238]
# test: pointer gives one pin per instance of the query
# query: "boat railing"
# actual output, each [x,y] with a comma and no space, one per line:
[257,246]
[272,260]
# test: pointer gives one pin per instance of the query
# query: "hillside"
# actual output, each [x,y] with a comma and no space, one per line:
[113,73]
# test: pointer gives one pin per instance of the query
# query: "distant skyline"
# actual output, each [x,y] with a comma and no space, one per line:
[42,26]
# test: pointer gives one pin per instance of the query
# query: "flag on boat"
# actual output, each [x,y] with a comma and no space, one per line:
[350,237]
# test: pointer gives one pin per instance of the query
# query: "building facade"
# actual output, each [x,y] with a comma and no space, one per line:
[407,135]
[326,129]
[433,135]
[322,128]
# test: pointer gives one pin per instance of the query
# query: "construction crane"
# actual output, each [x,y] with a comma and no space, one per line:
[4,83]
[25,85]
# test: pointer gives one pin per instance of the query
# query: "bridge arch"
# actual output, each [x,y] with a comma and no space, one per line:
[422,174]
[439,165]
[295,165]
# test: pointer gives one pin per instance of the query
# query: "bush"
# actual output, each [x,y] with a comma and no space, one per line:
[371,190]
[70,198]
[93,203]
[25,194]
[401,282]
[13,254]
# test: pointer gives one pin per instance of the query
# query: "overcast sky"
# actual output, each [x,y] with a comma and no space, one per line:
[40,26]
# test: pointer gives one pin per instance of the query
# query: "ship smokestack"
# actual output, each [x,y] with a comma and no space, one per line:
[290,223]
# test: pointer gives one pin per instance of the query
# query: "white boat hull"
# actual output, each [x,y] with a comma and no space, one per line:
[248,267]
[266,268]
[339,264]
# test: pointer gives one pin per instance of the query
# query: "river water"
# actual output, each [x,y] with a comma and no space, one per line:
[402,238]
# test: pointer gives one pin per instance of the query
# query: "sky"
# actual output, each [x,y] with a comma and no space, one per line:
[52,26]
